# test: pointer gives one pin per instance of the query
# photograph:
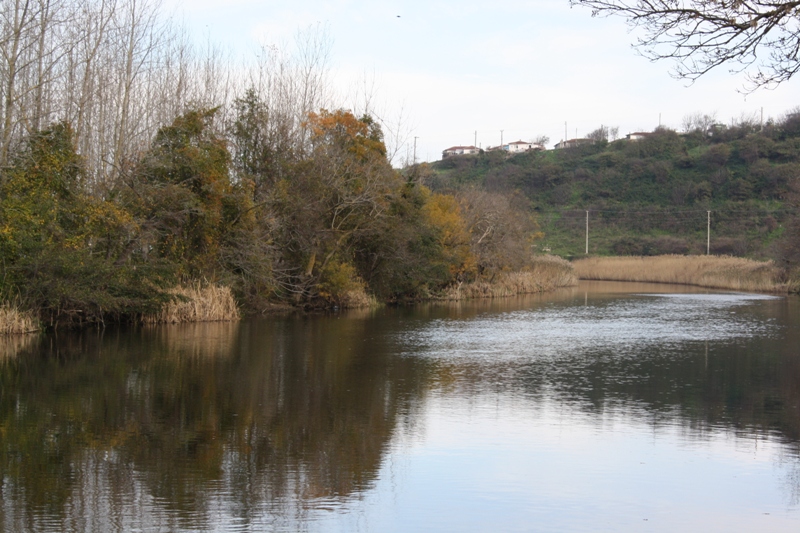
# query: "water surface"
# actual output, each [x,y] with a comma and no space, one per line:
[607,407]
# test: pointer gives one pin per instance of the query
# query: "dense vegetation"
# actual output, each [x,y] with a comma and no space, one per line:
[326,222]
[652,196]
[133,166]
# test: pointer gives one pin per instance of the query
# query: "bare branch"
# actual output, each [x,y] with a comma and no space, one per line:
[758,37]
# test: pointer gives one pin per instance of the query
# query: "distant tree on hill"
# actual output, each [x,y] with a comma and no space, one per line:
[543,140]
[604,133]
[698,122]
[600,134]
[758,37]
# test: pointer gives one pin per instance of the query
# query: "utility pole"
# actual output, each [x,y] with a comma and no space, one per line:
[476,139]
[415,149]
[587,232]
[708,235]
[501,139]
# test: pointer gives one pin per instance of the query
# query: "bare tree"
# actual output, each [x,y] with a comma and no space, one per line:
[600,134]
[283,87]
[47,58]
[501,229]
[542,140]
[393,118]
[18,25]
[118,70]
[758,37]
[701,122]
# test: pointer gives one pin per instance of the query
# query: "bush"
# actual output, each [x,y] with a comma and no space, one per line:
[338,280]
[65,253]
[649,246]
[733,246]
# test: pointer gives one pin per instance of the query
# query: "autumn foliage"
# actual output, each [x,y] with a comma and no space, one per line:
[327,223]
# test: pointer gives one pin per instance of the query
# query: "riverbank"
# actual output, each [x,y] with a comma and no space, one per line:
[546,273]
[718,272]
[213,303]
[193,303]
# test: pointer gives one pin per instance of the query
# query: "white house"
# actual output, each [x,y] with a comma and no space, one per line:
[637,136]
[460,150]
[572,143]
[522,146]
[517,146]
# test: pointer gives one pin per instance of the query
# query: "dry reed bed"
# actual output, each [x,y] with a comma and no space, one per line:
[358,299]
[197,303]
[718,272]
[13,320]
[546,273]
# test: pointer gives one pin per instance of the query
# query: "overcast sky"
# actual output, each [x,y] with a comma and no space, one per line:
[457,67]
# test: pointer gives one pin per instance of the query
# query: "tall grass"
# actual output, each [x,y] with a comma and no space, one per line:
[197,303]
[545,274]
[358,299]
[13,320]
[719,272]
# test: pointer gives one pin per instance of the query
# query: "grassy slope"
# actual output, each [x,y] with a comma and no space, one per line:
[649,197]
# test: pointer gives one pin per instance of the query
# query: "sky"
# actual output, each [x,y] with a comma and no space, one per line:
[460,72]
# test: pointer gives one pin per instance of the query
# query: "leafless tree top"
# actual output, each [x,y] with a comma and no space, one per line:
[758,37]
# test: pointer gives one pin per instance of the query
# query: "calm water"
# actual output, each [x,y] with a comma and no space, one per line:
[609,407]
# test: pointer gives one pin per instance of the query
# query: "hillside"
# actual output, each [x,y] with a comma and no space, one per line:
[652,196]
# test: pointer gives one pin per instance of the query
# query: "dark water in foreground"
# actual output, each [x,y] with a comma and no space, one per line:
[610,407]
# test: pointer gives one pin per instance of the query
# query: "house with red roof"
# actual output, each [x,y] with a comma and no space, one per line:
[460,150]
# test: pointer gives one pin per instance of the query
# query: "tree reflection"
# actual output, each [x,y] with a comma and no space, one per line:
[745,384]
[261,412]
[167,428]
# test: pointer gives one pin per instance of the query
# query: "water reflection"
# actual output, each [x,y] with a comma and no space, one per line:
[716,360]
[175,418]
[294,423]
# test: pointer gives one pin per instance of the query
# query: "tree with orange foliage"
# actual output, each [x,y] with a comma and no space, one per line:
[443,214]
[341,130]
[332,199]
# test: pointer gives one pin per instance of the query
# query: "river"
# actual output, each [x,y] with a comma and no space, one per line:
[605,407]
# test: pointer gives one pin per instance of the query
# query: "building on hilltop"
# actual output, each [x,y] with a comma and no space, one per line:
[572,143]
[638,136]
[460,150]
[517,146]
[522,146]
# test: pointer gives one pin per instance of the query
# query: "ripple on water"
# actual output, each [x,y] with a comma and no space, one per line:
[623,326]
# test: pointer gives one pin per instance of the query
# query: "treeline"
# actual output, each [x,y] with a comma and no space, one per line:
[323,222]
[132,164]
[651,196]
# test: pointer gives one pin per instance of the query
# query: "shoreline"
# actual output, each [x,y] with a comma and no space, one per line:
[197,302]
